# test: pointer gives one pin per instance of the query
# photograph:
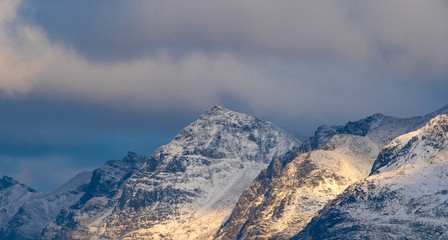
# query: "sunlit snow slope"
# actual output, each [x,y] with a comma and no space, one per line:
[406,197]
[187,188]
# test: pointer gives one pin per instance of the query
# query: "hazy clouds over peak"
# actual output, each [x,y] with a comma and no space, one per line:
[297,63]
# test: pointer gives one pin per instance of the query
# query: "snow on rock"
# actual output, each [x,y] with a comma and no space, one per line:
[422,143]
[280,208]
[12,196]
[187,188]
[404,198]
[379,128]
[25,212]
[100,189]
[255,217]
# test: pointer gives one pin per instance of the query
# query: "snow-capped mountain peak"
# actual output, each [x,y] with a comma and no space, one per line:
[437,125]
[404,198]
[25,212]
[415,146]
[187,187]
[220,133]
[6,182]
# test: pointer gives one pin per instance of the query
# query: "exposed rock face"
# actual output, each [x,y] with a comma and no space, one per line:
[423,144]
[254,218]
[99,192]
[379,128]
[187,188]
[281,208]
[12,196]
[333,186]
[405,197]
[25,212]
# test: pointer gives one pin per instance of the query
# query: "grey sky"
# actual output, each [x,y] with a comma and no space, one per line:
[82,81]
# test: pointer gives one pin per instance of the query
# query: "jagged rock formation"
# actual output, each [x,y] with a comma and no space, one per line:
[12,196]
[380,128]
[406,196]
[187,188]
[423,143]
[282,208]
[101,189]
[253,218]
[25,212]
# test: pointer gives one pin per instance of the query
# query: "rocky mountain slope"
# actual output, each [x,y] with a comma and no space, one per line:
[380,128]
[25,212]
[187,188]
[406,196]
[282,208]
[100,190]
[201,185]
[275,208]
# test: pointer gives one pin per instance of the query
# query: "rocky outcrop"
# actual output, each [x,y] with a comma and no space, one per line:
[187,188]
[404,198]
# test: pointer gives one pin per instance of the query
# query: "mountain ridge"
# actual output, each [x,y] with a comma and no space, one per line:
[192,182]
[402,199]
[233,175]
[26,212]
[378,129]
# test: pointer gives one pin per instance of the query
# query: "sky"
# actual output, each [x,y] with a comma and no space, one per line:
[83,82]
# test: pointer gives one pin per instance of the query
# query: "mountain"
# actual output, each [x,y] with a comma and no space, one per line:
[187,188]
[280,209]
[25,212]
[12,196]
[380,128]
[423,144]
[404,198]
[377,178]
[100,190]
[276,207]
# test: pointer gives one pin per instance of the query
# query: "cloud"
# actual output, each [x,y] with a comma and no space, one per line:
[223,38]
[405,38]
[31,63]
[313,57]
[293,53]
[196,81]
[129,75]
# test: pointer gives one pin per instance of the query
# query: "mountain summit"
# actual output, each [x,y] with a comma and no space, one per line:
[230,175]
[284,198]
[404,198]
[187,187]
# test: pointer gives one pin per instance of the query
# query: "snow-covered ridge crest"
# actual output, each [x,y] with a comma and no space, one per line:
[252,216]
[25,212]
[222,133]
[99,192]
[187,187]
[6,182]
[423,143]
[380,128]
[404,198]
[408,202]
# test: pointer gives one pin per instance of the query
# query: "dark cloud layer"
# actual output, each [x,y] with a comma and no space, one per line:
[45,141]
[396,34]
[82,81]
